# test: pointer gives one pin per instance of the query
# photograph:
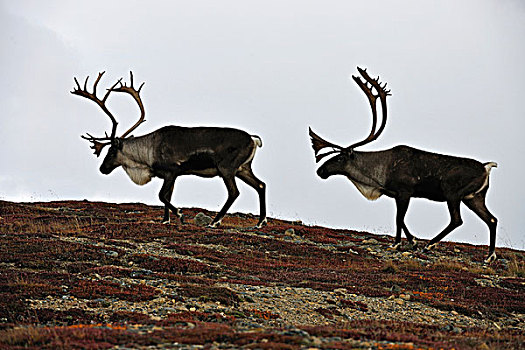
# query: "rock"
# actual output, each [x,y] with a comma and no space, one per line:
[111,254]
[370,241]
[315,341]
[395,288]
[290,232]
[202,219]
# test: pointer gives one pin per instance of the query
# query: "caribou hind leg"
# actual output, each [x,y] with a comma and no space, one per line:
[246,175]
[233,193]
[478,206]
[455,222]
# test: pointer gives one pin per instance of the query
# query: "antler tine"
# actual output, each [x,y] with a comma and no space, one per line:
[382,93]
[319,143]
[372,100]
[96,145]
[112,88]
[136,96]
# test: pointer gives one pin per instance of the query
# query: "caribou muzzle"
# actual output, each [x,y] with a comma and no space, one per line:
[105,169]
[323,173]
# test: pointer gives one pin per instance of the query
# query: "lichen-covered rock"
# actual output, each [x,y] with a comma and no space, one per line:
[202,219]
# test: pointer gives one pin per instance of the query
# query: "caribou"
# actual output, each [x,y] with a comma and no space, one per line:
[403,172]
[173,151]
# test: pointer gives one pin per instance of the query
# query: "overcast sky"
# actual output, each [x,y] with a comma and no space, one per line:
[456,70]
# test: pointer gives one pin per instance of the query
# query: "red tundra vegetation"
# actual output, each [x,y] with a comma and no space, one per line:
[97,275]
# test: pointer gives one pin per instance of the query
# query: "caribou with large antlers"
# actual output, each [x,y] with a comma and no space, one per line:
[404,172]
[172,151]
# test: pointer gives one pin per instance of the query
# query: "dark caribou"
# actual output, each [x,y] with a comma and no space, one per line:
[403,172]
[172,151]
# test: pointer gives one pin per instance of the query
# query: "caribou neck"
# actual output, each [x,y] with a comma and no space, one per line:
[369,168]
[138,151]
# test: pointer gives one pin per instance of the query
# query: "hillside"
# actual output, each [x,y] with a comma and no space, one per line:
[95,275]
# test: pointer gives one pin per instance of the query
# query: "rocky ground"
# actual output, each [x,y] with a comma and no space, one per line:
[99,275]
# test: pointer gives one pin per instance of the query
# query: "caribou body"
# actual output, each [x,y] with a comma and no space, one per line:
[403,172]
[173,151]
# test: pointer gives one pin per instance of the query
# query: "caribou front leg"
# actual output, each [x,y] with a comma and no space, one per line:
[165,196]
[402,207]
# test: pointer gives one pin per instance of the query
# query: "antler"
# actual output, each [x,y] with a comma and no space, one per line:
[135,94]
[319,143]
[382,93]
[97,146]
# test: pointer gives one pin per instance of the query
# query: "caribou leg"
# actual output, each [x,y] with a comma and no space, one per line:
[246,175]
[411,239]
[478,206]
[402,207]
[165,196]
[455,222]
[233,193]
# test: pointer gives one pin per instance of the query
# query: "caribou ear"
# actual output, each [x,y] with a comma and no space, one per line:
[117,142]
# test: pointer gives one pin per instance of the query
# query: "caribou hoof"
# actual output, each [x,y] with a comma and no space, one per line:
[165,222]
[429,247]
[492,256]
[262,223]
[214,224]
[396,246]
[412,244]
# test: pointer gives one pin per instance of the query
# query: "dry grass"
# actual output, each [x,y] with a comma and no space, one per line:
[481,270]
[448,265]
[516,266]
[23,336]
[42,226]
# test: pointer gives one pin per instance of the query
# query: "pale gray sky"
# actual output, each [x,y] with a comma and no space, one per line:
[272,68]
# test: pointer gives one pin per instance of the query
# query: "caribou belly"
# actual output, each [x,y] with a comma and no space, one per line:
[209,172]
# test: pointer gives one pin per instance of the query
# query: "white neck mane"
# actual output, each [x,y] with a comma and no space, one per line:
[137,159]
[139,175]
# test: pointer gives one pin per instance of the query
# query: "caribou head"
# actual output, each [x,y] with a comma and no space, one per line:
[336,165]
[114,157]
